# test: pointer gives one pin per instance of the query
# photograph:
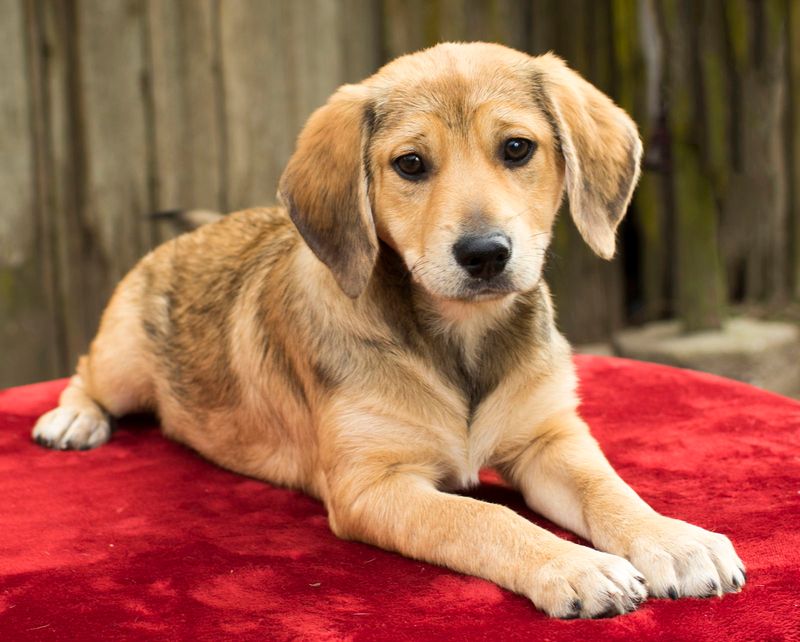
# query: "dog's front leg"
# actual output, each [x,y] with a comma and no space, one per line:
[565,477]
[389,498]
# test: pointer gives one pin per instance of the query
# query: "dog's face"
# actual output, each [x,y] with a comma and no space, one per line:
[456,157]
[466,178]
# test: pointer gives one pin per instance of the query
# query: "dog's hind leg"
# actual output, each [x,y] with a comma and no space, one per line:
[112,380]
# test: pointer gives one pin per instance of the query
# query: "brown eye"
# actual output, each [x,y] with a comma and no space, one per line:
[409,166]
[517,151]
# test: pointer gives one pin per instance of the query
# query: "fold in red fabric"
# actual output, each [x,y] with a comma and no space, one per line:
[143,539]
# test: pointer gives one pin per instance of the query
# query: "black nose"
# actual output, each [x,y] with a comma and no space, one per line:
[483,256]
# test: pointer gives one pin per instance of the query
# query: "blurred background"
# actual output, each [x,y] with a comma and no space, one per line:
[112,109]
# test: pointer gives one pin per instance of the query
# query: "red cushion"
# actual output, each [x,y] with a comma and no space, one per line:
[143,538]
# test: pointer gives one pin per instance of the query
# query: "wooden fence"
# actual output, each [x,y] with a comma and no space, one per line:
[115,108]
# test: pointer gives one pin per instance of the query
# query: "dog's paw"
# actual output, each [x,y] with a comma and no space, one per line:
[682,560]
[66,428]
[585,583]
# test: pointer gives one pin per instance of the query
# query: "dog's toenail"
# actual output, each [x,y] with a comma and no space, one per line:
[672,592]
[611,611]
[574,610]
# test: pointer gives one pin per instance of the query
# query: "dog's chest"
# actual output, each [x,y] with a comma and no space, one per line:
[467,450]
[472,360]
[484,366]
[478,379]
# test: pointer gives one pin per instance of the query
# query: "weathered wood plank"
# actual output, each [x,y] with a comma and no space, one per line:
[61,170]
[503,21]
[755,212]
[543,28]
[510,23]
[315,71]
[639,79]
[587,290]
[17,236]
[793,138]
[27,333]
[187,132]
[699,277]
[360,38]
[93,148]
[112,68]
[410,25]
[260,112]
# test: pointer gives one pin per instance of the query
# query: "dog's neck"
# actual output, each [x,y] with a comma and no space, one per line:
[463,322]
[474,344]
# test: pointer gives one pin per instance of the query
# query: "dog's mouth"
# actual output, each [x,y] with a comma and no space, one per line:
[483,290]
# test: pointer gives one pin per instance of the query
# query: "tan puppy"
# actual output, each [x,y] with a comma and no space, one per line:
[388,333]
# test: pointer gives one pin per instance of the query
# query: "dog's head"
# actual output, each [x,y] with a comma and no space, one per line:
[457,158]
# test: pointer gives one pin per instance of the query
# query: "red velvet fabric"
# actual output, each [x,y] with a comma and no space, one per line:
[143,539]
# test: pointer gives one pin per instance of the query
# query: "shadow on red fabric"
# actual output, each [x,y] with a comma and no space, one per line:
[143,539]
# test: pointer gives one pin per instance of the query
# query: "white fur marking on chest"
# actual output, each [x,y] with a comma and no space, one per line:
[468,323]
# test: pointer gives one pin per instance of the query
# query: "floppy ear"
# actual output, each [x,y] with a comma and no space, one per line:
[324,187]
[600,146]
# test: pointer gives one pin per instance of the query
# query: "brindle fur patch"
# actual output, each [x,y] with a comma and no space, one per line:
[191,335]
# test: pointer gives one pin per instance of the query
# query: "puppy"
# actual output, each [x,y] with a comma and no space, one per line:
[387,332]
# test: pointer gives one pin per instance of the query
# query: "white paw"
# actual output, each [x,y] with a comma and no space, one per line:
[682,560]
[67,428]
[586,583]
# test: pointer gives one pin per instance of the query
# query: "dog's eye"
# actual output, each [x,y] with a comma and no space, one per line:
[409,166]
[517,151]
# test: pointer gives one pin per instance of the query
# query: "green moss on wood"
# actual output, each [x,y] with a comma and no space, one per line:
[699,284]
[649,205]
[716,100]
[700,280]
[793,122]
[737,23]
[777,12]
